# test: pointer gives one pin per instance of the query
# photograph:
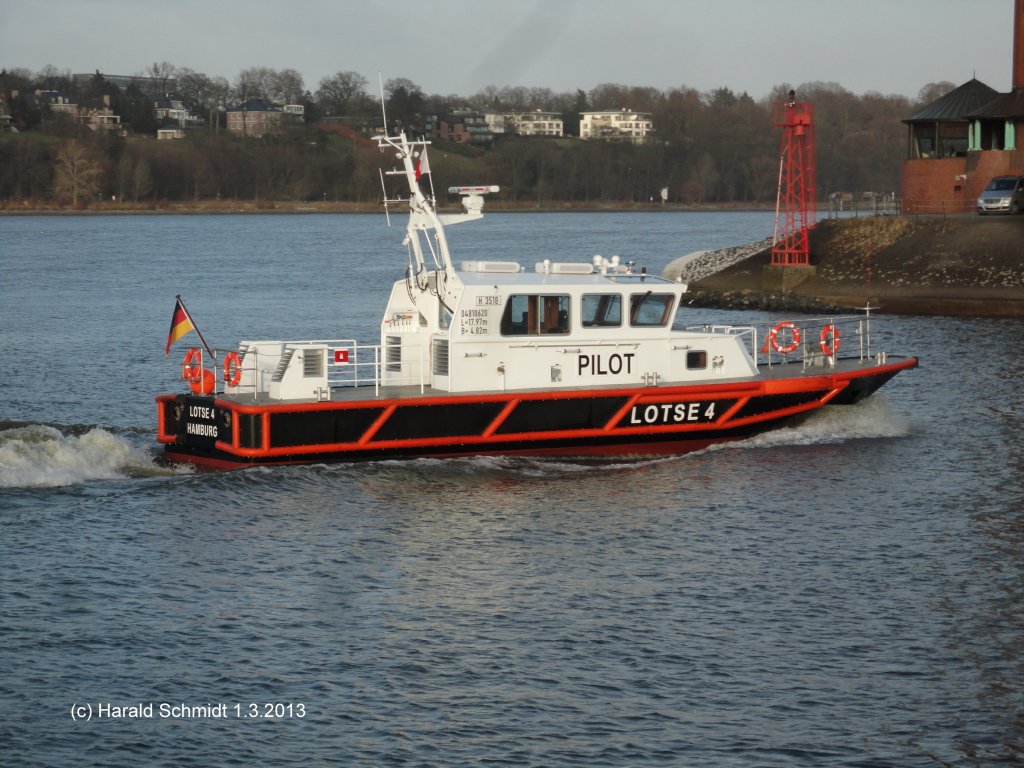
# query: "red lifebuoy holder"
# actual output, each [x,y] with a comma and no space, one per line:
[200,380]
[773,337]
[829,349]
[232,369]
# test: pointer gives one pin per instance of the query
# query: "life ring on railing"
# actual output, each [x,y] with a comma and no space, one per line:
[827,349]
[232,369]
[773,337]
[200,380]
[192,365]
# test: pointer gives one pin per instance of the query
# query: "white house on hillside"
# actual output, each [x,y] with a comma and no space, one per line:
[536,123]
[623,125]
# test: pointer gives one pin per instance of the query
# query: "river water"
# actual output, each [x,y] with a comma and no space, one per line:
[842,593]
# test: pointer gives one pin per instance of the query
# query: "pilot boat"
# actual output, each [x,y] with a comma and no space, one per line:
[501,357]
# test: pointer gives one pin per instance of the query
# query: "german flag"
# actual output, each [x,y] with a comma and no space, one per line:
[181,324]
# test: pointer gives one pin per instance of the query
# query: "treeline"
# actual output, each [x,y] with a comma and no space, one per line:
[714,147]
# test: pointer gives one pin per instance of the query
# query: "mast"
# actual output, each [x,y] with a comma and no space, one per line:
[425,228]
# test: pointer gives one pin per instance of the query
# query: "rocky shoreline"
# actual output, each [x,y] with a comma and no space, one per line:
[967,265]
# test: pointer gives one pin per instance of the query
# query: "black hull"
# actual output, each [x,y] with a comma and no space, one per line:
[222,434]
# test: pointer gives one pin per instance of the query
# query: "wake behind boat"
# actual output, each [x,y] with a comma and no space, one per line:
[500,357]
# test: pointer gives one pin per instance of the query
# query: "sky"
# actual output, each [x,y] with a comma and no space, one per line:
[462,46]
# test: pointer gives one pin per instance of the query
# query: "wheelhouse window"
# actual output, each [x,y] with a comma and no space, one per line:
[650,309]
[601,310]
[534,314]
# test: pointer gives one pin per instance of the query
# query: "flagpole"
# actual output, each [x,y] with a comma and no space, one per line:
[196,327]
[433,197]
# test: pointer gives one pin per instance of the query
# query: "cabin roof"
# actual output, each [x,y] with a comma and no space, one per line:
[541,280]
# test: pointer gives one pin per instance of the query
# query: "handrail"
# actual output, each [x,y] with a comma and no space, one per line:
[808,348]
[348,363]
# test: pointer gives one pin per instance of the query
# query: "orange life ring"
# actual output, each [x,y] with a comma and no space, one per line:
[192,365]
[829,350]
[232,369]
[200,380]
[784,349]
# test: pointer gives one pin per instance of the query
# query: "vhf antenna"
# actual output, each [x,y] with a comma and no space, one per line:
[384,117]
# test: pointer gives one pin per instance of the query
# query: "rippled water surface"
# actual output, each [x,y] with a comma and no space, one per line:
[841,593]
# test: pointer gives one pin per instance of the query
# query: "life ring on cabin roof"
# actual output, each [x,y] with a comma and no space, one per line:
[773,337]
[232,369]
[192,365]
[827,349]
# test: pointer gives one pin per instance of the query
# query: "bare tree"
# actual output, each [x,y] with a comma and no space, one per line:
[78,172]
[51,78]
[704,177]
[123,173]
[934,91]
[515,98]
[488,98]
[220,94]
[162,72]
[250,84]
[609,96]
[405,102]
[253,83]
[195,88]
[285,86]
[142,179]
[339,93]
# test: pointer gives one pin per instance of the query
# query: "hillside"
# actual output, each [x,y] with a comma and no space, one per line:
[968,265]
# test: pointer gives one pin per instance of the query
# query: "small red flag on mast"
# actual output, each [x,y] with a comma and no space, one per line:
[423,167]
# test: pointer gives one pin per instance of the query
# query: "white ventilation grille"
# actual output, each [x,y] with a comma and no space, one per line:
[440,357]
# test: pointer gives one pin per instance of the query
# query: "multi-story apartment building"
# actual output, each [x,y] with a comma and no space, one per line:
[536,123]
[465,126]
[621,125]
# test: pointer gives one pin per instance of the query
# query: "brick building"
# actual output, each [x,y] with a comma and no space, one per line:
[956,144]
[465,126]
[256,118]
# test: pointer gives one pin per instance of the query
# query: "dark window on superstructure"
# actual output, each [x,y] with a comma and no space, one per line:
[534,314]
[697,360]
[601,310]
[650,309]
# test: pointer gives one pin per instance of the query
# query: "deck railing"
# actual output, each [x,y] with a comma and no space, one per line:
[813,341]
[348,364]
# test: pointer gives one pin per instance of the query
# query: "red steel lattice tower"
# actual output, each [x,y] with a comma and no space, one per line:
[795,207]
